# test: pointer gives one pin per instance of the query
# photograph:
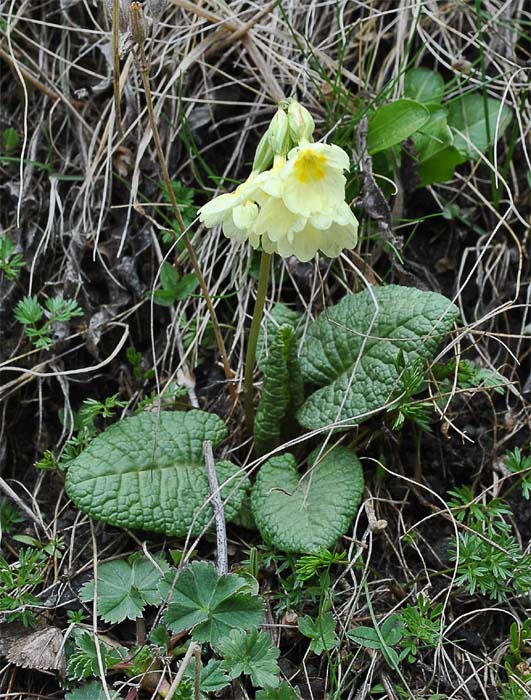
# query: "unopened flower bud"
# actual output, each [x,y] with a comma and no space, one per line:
[300,121]
[278,133]
[264,155]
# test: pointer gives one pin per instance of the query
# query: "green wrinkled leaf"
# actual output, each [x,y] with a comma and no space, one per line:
[282,392]
[126,587]
[252,654]
[473,120]
[148,472]
[424,85]
[307,514]
[321,631]
[351,351]
[395,122]
[280,315]
[211,605]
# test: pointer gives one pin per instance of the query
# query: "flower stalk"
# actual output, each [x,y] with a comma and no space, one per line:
[292,204]
[252,341]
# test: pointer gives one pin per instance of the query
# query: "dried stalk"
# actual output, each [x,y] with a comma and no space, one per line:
[137,31]
[217,507]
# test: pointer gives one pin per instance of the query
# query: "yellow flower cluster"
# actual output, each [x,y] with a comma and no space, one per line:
[296,207]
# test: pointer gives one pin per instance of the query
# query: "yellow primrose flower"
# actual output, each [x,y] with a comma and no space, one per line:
[313,180]
[235,211]
[297,207]
[283,232]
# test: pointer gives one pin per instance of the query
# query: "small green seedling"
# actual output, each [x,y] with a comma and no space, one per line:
[174,287]
[383,638]
[321,631]
[29,312]
[11,263]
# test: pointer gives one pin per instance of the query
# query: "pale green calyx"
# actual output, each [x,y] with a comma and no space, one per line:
[278,133]
[263,156]
[300,122]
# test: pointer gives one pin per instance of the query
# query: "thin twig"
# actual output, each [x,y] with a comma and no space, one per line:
[192,649]
[197,672]
[217,507]
[101,667]
[6,488]
[116,60]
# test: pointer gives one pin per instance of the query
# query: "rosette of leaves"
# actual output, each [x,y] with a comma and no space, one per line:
[306,513]
[148,472]
[349,356]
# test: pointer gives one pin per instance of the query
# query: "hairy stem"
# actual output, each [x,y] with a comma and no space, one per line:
[263,279]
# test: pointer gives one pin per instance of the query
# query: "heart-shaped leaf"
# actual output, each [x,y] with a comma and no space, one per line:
[351,351]
[306,513]
[148,472]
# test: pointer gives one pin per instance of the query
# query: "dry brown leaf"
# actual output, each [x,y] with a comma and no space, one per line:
[40,649]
